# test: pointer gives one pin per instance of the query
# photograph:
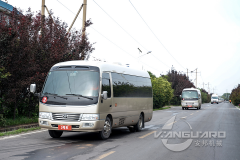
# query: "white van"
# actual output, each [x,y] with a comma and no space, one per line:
[94,96]
[214,99]
[191,98]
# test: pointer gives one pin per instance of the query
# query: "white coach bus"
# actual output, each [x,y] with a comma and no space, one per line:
[191,98]
[94,97]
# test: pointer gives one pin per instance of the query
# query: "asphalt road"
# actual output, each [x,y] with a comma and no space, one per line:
[138,145]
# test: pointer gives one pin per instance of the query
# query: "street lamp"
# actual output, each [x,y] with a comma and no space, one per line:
[142,55]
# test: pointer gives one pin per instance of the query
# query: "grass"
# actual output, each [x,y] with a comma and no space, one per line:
[161,108]
[20,121]
[21,130]
[173,105]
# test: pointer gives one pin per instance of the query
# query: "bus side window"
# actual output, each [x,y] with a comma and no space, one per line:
[106,84]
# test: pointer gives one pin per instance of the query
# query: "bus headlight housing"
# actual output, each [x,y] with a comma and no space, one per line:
[45,115]
[90,117]
[196,104]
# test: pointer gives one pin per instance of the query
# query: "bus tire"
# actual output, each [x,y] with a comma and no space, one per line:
[55,134]
[107,129]
[182,108]
[131,129]
[138,127]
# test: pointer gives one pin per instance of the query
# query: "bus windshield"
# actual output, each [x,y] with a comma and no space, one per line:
[214,97]
[190,94]
[63,83]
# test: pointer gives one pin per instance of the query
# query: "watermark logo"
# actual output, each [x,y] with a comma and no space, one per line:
[167,134]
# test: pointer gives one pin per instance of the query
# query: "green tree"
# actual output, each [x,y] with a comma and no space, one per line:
[235,96]
[3,74]
[226,96]
[162,92]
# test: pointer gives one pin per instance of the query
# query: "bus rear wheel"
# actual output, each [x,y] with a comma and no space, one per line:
[138,127]
[55,134]
[107,129]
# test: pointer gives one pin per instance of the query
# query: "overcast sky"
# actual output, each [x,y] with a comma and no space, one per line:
[203,34]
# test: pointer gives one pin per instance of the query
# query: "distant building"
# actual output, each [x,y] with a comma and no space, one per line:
[6,9]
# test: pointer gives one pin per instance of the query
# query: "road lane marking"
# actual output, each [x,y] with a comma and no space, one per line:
[105,155]
[192,114]
[237,107]
[147,134]
[7,137]
[184,117]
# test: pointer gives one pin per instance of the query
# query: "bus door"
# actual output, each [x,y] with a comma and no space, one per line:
[106,105]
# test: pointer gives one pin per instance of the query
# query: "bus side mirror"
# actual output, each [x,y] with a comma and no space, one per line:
[104,95]
[33,88]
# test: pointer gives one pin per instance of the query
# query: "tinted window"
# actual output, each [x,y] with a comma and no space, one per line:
[131,86]
[106,84]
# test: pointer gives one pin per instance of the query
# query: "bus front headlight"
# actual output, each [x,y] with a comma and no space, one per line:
[90,117]
[45,115]
[196,104]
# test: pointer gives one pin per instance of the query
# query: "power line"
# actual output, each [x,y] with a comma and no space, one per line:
[127,32]
[119,25]
[155,35]
[109,39]
[66,7]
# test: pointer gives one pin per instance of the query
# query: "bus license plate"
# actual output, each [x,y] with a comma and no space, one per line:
[189,106]
[64,127]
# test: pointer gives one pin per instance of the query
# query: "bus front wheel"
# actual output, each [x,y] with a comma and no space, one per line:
[107,129]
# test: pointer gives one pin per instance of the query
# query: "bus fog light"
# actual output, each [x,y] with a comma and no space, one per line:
[44,122]
[88,124]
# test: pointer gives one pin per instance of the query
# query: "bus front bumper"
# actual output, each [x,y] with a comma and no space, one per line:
[82,126]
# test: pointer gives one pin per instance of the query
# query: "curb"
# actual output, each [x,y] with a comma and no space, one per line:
[7,129]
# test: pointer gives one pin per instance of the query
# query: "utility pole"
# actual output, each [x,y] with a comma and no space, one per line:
[196,77]
[84,16]
[43,14]
[43,8]
[187,73]
[208,88]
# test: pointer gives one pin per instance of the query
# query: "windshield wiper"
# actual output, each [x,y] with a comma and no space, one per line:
[54,95]
[80,96]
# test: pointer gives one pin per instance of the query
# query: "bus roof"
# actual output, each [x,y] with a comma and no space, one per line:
[193,89]
[106,67]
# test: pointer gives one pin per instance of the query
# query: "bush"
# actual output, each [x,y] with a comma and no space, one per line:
[2,121]
[206,98]
[162,92]
[176,100]
[235,96]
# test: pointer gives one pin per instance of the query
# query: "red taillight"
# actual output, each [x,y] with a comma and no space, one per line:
[183,99]
[44,99]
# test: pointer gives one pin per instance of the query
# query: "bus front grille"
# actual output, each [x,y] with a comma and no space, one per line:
[66,117]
